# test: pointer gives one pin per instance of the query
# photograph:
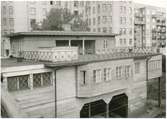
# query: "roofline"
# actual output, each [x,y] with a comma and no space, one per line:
[61,34]
[77,63]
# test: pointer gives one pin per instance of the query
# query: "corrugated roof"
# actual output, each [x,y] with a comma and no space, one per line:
[61,33]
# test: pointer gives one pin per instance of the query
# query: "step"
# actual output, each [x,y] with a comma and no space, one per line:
[42,102]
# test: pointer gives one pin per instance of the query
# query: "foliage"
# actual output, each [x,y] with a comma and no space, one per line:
[57,17]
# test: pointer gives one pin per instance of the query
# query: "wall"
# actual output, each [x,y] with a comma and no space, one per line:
[66,92]
[93,89]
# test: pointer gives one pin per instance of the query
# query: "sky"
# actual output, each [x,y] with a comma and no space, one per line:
[158,3]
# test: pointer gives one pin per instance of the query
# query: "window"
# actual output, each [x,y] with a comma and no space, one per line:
[46,78]
[94,21]
[110,29]
[98,8]
[124,40]
[130,41]
[83,77]
[120,41]
[10,10]
[103,7]
[4,10]
[11,21]
[32,23]
[89,21]
[107,74]
[130,31]
[130,10]
[104,29]
[4,21]
[127,71]
[105,44]
[104,19]
[137,67]
[76,12]
[97,76]
[99,29]
[93,10]
[110,19]
[42,79]
[18,83]
[32,11]
[118,72]
[121,9]
[121,20]
[98,19]
[75,3]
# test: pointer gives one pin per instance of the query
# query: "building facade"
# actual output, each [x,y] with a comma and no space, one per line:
[150,28]
[112,17]
[115,82]
[20,16]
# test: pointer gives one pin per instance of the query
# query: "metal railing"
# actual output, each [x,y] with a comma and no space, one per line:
[145,50]
[53,55]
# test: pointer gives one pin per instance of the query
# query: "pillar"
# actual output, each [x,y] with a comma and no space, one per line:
[69,43]
[159,88]
[89,109]
[5,83]
[31,82]
[83,47]
[107,110]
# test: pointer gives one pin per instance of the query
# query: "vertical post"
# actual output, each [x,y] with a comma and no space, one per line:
[55,43]
[69,43]
[54,80]
[159,88]
[89,109]
[107,110]
[5,83]
[83,47]
[31,82]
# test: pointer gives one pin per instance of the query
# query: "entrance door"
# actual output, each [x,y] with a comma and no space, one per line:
[95,109]
[118,106]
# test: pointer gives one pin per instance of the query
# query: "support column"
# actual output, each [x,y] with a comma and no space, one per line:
[31,82]
[55,43]
[5,83]
[159,88]
[107,110]
[83,47]
[69,43]
[89,109]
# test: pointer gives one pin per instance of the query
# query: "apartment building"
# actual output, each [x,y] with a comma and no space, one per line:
[75,7]
[55,80]
[20,16]
[112,17]
[150,28]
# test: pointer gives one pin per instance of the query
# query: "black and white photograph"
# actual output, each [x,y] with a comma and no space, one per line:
[83,59]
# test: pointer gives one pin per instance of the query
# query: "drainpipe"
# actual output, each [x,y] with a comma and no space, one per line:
[147,59]
[55,94]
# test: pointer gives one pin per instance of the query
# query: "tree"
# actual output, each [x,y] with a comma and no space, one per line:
[57,17]
[79,24]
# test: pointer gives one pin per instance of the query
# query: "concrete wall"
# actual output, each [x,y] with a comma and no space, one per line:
[93,89]
[20,44]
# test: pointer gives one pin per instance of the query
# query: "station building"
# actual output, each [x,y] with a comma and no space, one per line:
[75,74]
